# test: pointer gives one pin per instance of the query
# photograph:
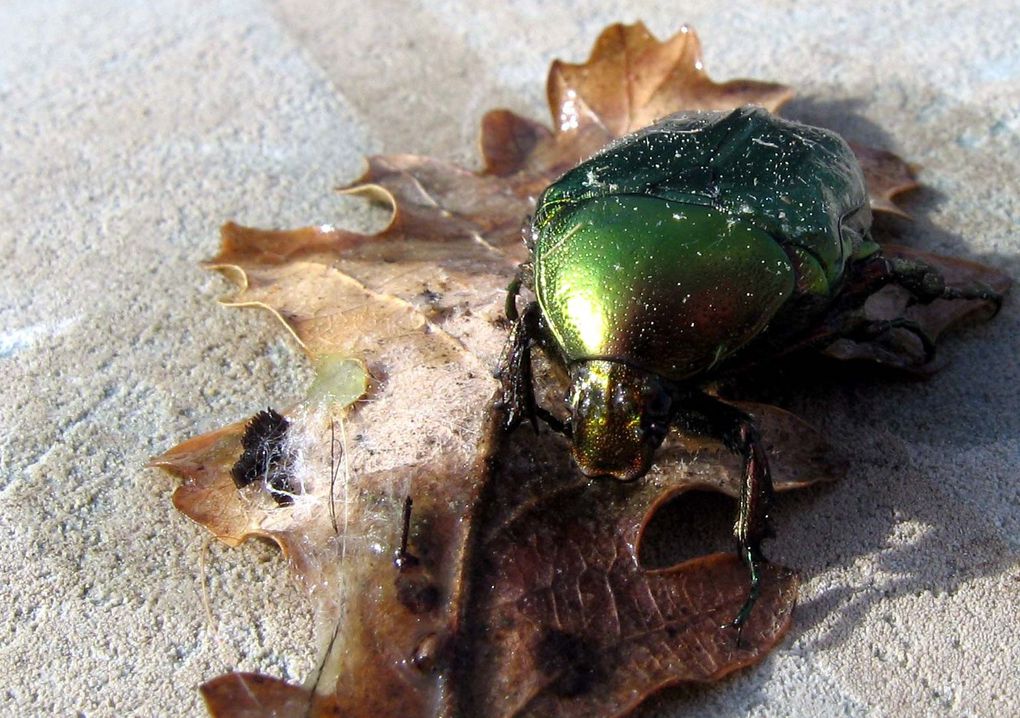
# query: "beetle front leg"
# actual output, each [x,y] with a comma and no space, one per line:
[752,524]
[517,378]
[523,277]
[515,375]
[738,432]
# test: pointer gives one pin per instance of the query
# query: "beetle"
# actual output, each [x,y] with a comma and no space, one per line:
[687,250]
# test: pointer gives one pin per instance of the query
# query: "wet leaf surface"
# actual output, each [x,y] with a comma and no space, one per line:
[521,591]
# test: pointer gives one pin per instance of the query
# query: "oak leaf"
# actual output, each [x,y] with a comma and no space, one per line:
[520,590]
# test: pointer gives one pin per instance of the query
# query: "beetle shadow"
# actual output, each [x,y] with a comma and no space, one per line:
[841,116]
[918,229]
[747,687]
[922,510]
[898,525]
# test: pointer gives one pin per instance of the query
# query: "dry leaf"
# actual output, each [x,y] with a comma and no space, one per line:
[566,621]
[887,176]
[526,595]
[555,558]
[631,80]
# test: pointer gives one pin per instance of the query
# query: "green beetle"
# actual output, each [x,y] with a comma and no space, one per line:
[698,245]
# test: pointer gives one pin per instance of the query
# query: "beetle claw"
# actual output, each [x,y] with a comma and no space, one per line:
[739,628]
[975,292]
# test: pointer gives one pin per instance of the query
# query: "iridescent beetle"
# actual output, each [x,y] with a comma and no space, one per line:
[691,248]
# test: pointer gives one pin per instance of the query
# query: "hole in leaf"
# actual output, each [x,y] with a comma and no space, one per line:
[692,524]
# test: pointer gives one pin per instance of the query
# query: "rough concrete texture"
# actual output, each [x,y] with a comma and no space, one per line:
[130,131]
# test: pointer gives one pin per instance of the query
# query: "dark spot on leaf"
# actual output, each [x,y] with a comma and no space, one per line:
[571,661]
[416,592]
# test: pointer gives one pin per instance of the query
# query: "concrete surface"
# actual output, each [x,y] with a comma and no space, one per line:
[129,132]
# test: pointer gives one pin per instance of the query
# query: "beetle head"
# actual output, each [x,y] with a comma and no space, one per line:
[619,416]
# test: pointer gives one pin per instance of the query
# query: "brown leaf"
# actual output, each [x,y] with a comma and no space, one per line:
[250,695]
[397,445]
[630,80]
[208,494]
[526,595]
[886,175]
[565,619]
[508,141]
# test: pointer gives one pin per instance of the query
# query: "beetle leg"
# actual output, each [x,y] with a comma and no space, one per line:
[515,375]
[751,526]
[523,277]
[873,328]
[924,282]
[737,430]
[552,422]
[855,325]
[517,379]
